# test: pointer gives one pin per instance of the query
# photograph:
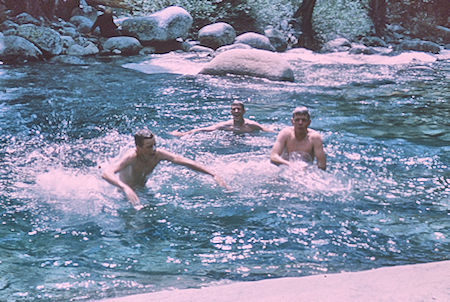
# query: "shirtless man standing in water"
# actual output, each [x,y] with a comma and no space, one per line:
[299,141]
[134,167]
[237,124]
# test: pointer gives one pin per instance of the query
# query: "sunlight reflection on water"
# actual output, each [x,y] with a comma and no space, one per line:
[66,233]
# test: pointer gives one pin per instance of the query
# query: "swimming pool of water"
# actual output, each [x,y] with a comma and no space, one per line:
[66,235]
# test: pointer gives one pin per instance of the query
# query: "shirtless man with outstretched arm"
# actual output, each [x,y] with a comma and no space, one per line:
[134,167]
[300,140]
[237,124]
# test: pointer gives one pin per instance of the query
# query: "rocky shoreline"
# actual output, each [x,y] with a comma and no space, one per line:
[25,39]
[413,283]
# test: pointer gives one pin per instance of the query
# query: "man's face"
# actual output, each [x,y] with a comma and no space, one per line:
[148,146]
[237,110]
[300,121]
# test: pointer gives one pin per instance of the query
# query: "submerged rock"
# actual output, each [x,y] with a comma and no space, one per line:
[250,62]
[68,60]
[420,45]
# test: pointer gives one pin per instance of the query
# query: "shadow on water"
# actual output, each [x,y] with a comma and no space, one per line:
[66,233]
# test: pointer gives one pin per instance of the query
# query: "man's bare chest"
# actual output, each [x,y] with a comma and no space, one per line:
[295,145]
[143,168]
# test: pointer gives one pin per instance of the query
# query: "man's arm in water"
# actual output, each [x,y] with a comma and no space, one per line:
[180,160]
[319,153]
[214,127]
[258,126]
[277,149]
[109,174]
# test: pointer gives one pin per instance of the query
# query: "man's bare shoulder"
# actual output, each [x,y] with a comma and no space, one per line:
[253,124]
[314,134]
[130,154]
[225,125]
[285,134]
[286,131]
[162,154]
[126,158]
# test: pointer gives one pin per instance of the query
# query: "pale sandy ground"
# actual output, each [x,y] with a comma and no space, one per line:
[407,283]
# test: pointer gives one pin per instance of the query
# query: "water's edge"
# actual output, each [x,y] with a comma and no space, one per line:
[417,282]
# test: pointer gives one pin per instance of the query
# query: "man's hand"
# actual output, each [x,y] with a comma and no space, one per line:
[220,182]
[133,198]
[176,133]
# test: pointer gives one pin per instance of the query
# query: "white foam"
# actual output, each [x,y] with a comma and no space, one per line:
[174,63]
[256,174]
[74,192]
[409,57]
[192,63]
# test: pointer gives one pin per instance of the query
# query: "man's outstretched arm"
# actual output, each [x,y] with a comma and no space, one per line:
[109,174]
[258,126]
[180,160]
[202,129]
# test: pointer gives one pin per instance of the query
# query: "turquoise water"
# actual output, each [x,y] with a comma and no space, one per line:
[66,235]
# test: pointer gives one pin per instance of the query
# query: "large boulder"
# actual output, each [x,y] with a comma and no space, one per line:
[69,31]
[82,23]
[15,49]
[420,45]
[255,40]
[217,35]
[337,45]
[122,45]
[67,41]
[68,60]
[232,46]
[86,49]
[361,49]
[443,32]
[46,39]
[276,38]
[251,62]
[85,11]
[8,24]
[373,41]
[25,18]
[201,49]
[168,24]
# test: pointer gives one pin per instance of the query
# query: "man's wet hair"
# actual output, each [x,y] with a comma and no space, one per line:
[238,103]
[142,134]
[302,110]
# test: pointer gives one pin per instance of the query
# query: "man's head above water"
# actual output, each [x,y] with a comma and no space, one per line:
[302,110]
[141,135]
[238,103]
